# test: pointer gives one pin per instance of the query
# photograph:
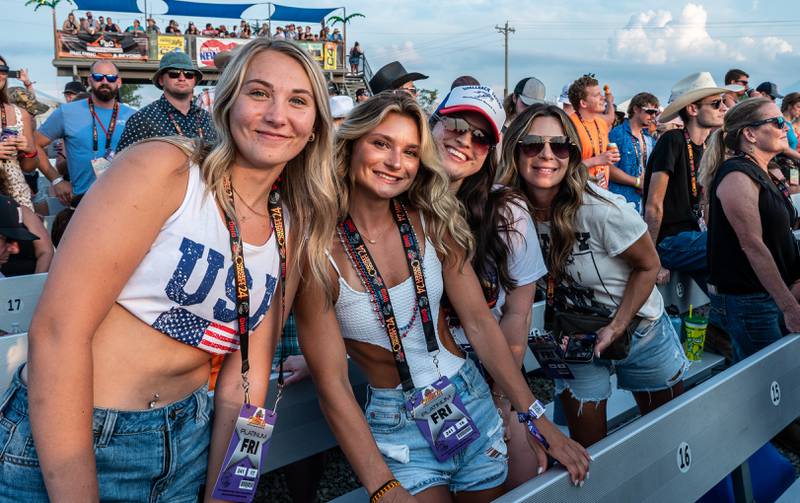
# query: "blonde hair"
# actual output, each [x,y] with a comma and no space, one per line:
[309,188]
[429,192]
[727,138]
[569,199]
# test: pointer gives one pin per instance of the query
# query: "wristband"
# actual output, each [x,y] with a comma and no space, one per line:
[28,155]
[385,488]
[533,430]
[56,181]
[638,183]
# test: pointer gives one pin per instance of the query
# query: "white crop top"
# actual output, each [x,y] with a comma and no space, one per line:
[184,286]
[358,320]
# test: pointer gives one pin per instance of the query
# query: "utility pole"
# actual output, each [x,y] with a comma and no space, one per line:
[505,30]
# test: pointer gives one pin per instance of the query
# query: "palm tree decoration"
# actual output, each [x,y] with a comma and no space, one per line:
[344,20]
[44,3]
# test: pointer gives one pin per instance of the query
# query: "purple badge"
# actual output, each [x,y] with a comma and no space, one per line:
[442,418]
[247,451]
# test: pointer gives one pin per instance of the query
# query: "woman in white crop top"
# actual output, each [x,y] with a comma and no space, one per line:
[507,260]
[389,165]
[142,294]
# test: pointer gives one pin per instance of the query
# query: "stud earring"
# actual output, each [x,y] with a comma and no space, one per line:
[312,137]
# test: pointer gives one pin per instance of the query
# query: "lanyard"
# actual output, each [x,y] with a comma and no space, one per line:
[3,118]
[373,283]
[690,151]
[177,126]
[240,276]
[111,125]
[640,150]
[591,138]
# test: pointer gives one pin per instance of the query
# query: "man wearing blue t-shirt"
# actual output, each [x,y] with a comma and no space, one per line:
[91,130]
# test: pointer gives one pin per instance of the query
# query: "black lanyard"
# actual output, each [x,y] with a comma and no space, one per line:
[692,173]
[591,138]
[374,285]
[111,125]
[240,274]
[3,118]
[177,126]
[640,150]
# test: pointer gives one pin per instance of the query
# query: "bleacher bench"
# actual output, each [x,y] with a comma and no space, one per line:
[18,298]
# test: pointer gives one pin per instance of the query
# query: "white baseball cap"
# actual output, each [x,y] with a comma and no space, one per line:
[480,99]
[340,106]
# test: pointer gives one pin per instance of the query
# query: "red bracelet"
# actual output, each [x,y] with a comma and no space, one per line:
[28,155]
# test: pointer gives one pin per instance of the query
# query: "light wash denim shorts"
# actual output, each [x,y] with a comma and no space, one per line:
[482,465]
[157,455]
[656,362]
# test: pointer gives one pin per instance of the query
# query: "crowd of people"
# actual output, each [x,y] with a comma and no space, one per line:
[422,241]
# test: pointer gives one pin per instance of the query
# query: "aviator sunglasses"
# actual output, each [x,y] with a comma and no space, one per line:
[460,126]
[98,77]
[533,144]
[777,122]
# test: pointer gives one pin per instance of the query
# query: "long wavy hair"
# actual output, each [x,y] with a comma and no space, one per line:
[429,192]
[569,198]
[489,218]
[309,189]
[728,138]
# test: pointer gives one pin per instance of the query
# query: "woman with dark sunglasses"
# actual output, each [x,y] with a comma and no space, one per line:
[507,258]
[601,261]
[753,258]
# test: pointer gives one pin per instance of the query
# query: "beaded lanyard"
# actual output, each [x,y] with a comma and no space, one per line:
[591,138]
[641,152]
[373,283]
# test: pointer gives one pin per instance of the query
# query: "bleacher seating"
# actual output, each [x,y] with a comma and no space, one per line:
[681,292]
[18,298]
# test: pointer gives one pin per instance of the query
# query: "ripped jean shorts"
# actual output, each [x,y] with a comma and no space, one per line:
[656,362]
[482,465]
[154,455]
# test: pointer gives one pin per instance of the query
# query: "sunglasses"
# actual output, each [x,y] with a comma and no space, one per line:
[175,74]
[533,144]
[744,83]
[716,104]
[778,122]
[461,126]
[651,111]
[3,69]
[98,77]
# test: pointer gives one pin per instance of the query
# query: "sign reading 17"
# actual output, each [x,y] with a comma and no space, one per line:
[14,304]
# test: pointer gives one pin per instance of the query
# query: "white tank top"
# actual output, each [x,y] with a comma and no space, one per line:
[358,320]
[184,286]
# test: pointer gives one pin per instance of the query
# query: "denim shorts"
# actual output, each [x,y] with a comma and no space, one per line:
[157,455]
[656,362]
[482,465]
[753,321]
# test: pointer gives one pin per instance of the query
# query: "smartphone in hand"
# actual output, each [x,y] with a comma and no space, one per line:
[13,74]
[580,348]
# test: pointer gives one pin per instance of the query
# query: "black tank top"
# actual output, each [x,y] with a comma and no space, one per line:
[730,270]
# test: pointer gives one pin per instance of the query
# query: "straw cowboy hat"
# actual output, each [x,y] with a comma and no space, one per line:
[690,89]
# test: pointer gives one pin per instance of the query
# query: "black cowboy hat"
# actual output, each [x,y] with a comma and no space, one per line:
[392,76]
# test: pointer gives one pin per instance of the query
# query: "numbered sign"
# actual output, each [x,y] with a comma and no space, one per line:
[684,457]
[13,305]
[775,393]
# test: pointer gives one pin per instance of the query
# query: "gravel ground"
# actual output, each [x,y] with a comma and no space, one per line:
[338,478]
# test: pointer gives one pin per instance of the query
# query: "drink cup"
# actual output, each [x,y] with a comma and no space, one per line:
[695,327]
[600,174]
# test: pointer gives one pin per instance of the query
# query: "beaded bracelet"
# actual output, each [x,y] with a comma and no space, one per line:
[385,488]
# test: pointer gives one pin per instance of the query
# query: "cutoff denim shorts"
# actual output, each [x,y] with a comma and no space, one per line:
[157,455]
[482,465]
[656,362]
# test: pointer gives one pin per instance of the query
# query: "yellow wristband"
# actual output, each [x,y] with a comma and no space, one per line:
[385,488]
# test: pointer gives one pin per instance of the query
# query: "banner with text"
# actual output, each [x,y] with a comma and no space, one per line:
[169,43]
[207,48]
[102,46]
[329,63]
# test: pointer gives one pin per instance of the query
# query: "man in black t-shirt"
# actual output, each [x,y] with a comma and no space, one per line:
[673,211]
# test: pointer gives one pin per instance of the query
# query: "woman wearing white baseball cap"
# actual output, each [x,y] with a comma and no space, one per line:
[507,259]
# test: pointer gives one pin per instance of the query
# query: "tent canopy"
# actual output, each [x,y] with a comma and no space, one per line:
[299,14]
[202,10]
[108,5]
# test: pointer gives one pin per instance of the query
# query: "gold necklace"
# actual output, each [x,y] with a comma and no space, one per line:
[374,241]
[247,205]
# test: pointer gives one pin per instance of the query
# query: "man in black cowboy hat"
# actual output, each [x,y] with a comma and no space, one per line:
[175,112]
[395,76]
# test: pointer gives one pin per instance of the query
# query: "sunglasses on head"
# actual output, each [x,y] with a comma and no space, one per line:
[461,126]
[98,77]
[778,122]
[175,74]
[716,104]
[533,144]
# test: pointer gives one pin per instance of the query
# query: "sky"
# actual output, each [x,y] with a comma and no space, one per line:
[631,45]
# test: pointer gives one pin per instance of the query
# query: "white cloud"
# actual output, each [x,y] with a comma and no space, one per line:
[405,52]
[655,37]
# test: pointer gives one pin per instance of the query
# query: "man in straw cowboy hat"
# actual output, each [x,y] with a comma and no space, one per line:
[673,211]
[174,113]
